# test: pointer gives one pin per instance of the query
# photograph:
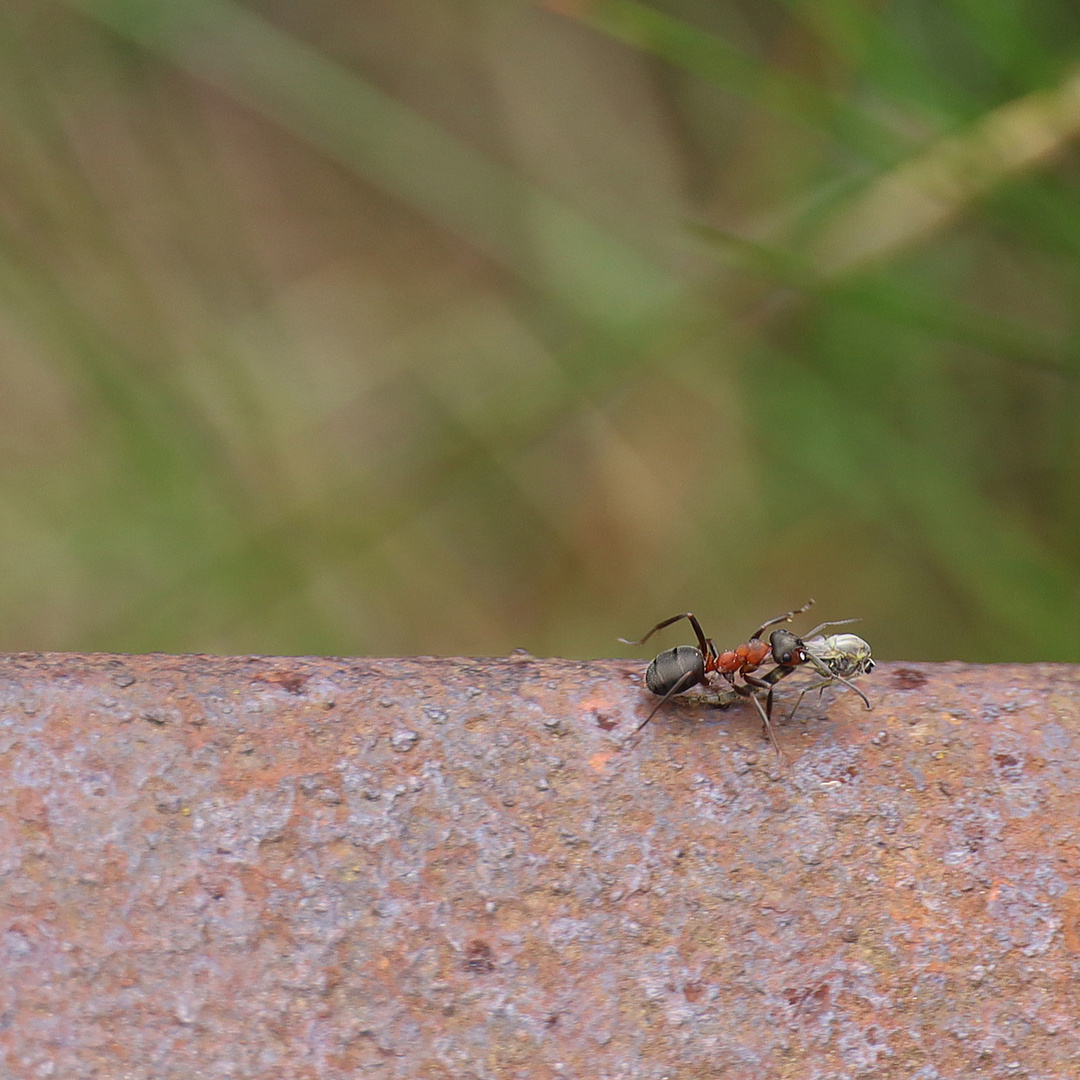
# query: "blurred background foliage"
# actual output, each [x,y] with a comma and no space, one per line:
[454,327]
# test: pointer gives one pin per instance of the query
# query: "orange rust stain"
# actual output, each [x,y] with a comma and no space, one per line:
[197,736]
[1070,924]
[595,705]
[598,762]
[235,775]
[30,807]
[601,711]
[291,681]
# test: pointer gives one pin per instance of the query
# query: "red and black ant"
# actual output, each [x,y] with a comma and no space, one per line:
[678,669]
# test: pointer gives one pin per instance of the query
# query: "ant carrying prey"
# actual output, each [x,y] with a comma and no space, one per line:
[835,658]
[678,669]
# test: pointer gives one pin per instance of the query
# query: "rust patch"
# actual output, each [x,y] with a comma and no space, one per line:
[906,678]
[601,712]
[598,762]
[409,885]
[291,681]
[479,957]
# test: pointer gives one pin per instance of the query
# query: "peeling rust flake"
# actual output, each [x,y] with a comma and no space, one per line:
[308,868]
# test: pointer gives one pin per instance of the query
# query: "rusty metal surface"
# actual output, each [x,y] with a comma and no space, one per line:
[306,868]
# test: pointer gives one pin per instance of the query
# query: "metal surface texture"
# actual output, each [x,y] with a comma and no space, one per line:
[438,868]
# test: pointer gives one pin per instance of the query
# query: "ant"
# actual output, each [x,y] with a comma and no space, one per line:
[836,658]
[676,670]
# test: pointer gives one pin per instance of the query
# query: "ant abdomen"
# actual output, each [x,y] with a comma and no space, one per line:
[683,666]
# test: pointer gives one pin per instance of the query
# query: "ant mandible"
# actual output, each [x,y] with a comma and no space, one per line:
[678,669]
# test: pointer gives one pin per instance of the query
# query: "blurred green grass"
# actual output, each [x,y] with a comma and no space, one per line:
[455,328]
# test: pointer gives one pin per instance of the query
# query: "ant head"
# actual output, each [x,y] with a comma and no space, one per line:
[787,649]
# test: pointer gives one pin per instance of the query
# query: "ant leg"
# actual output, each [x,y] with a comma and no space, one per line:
[798,700]
[852,686]
[830,681]
[684,683]
[820,667]
[768,726]
[766,713]
[756,635]
[703,642]
[770,679]
[830,677]
[774,675]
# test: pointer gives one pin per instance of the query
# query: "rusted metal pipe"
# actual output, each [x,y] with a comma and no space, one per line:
[307,868]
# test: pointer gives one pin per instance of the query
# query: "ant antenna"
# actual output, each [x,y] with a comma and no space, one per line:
[684,683]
